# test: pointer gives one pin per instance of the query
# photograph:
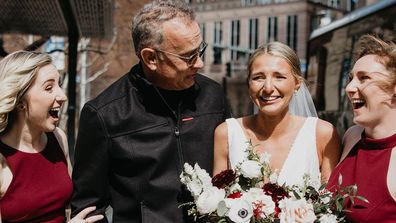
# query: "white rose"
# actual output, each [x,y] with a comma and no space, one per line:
[203,176]
[209,199]
[235,187]
[188,169]
[265,157]
[328,218]
[273,178]
[296,211]
[194,187]
[241,211]
[257,197]
[251,169]
[315,182]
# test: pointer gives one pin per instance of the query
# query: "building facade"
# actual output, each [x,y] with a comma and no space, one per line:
[233,29]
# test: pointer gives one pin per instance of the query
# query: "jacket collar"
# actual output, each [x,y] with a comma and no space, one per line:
[149,91]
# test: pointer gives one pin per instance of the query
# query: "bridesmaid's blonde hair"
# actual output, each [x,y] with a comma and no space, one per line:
[17,72]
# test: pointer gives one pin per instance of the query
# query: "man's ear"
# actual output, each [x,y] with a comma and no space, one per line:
[149,58]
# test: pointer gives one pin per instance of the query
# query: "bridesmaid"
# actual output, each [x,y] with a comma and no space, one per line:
[35,185]
[369,156]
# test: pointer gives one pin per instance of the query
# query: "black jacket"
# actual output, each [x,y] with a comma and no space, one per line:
[131,147]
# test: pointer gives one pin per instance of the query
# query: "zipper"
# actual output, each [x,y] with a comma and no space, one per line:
[176,115]
[179,146]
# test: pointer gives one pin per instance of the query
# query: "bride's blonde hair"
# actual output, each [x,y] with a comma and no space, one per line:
[281,50]
[17,72]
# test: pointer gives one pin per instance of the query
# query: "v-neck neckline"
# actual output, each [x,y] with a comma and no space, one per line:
[291,147]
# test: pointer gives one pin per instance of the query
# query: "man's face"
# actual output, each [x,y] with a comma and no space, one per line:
[178,59]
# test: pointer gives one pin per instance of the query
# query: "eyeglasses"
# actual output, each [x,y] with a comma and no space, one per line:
[190,60]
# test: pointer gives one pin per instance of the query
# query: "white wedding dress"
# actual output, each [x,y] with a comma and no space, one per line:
[302,158]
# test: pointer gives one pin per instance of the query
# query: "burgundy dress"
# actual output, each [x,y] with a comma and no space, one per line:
[367,166]
[41,187]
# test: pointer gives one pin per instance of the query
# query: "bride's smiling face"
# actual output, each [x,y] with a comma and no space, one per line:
[271,84]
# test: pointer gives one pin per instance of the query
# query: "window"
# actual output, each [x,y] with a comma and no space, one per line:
[235,38]
[217,42]
[334,3]
[247,2]
[235,30]
[292,31]
[218,33]
[272,31]
[263,2]
[253,33]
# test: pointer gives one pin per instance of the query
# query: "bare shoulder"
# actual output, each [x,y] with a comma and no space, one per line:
[352,133]
[351,137]
[327,139]
[5,175]
[221,130]
[391,176]
[325,129]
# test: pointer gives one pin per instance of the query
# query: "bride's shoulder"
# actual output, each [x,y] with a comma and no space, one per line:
[324,125]
[325,130]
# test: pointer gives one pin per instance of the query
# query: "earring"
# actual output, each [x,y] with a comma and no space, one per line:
[295,92]
[21,107]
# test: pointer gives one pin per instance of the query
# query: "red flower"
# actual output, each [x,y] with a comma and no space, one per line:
[277,212]
[258,206]
[224,178]
[276,192]
[235,195]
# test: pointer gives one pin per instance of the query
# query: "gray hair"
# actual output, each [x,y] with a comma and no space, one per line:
[18,70]
[147,24]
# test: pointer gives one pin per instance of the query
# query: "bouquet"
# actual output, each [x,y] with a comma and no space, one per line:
[250,193]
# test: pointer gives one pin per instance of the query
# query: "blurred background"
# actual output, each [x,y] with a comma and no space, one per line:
[90,41]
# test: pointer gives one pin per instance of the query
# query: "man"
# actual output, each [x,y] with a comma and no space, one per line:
[135,137]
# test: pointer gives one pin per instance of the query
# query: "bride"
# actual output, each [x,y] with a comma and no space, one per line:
[298,145]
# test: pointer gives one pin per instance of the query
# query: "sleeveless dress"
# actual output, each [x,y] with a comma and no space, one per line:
[367,166]
[41,186]
[302,158]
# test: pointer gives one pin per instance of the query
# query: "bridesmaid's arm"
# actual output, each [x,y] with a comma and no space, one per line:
[220,149]
[329,148]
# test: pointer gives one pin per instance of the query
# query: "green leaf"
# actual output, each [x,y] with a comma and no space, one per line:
[323,186]
[362,199]
[339,205]
[352,200]
[296,195]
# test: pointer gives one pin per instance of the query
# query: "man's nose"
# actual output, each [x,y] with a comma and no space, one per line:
[198,63]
